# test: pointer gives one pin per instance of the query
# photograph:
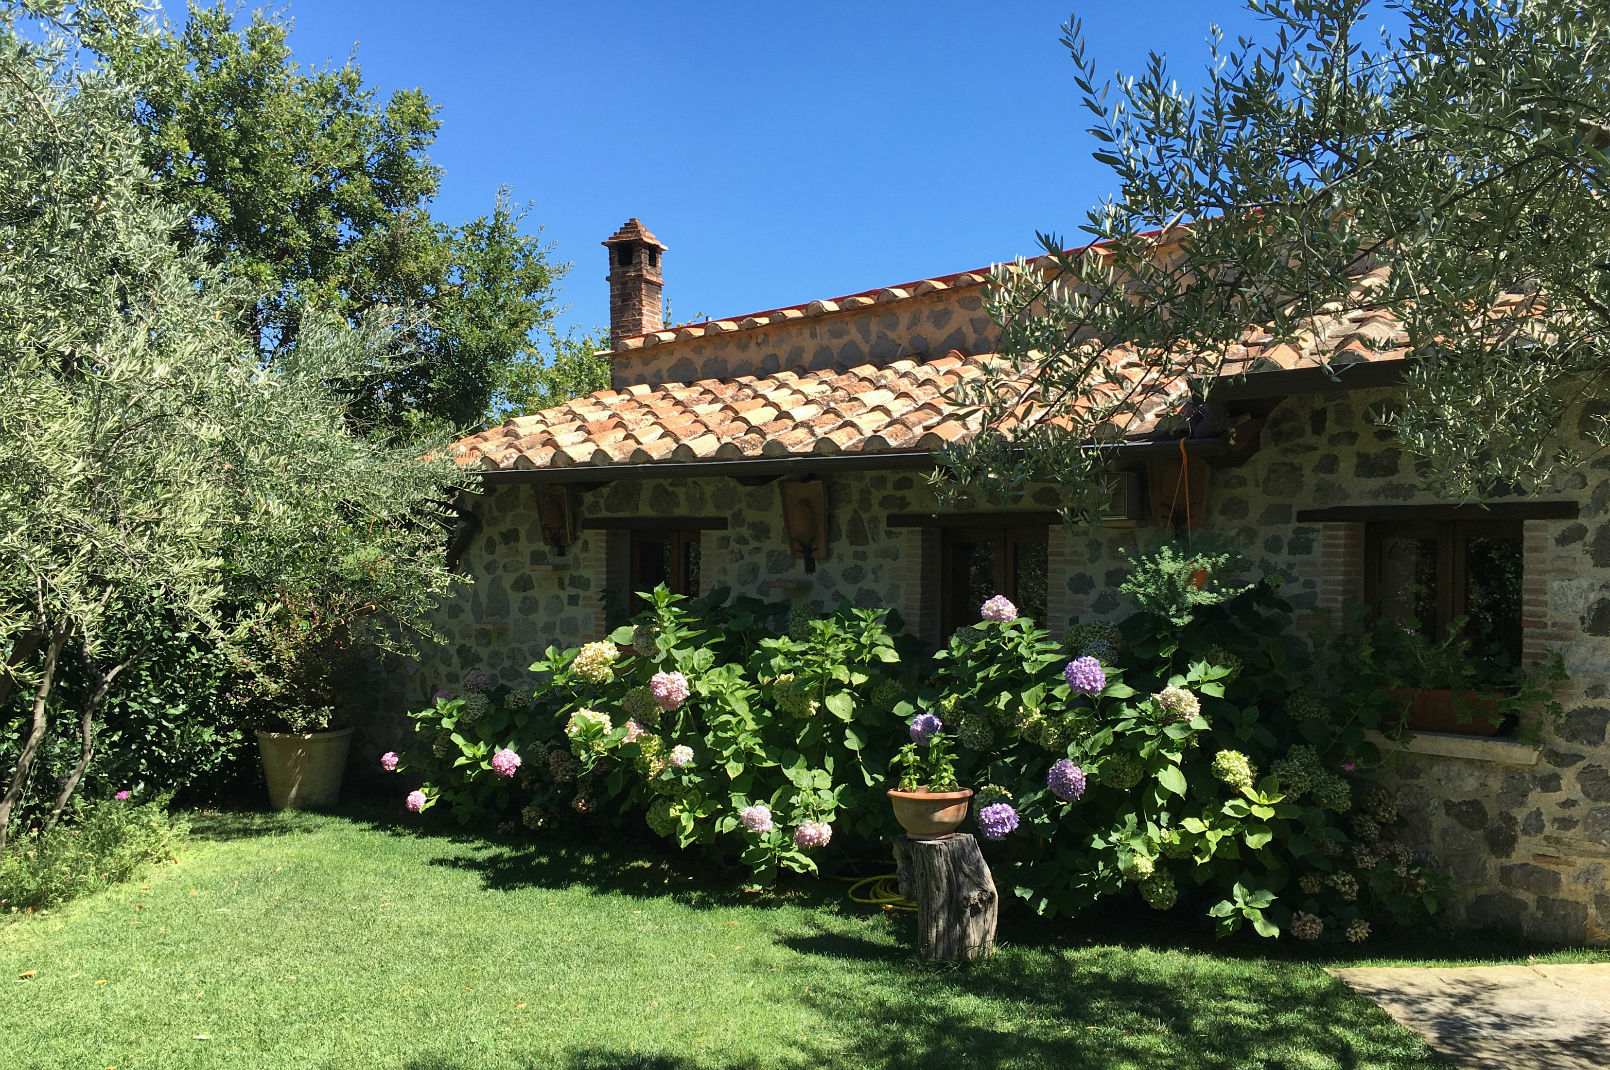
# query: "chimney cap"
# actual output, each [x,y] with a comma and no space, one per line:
[634,230]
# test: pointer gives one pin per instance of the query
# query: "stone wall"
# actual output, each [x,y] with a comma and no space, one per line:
[934,319]
[1525,832]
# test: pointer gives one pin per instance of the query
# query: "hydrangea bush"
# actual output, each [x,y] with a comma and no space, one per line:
[695,719]
[1204,766]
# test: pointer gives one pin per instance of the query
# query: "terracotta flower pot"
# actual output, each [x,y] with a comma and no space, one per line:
[1199,578]
[926,814]
[304,769]
[1432,710]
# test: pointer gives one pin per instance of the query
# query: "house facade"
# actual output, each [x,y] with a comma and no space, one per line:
[787,455]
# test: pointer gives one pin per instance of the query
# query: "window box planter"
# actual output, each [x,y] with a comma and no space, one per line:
[304,769]
[927,815]
[1429,709]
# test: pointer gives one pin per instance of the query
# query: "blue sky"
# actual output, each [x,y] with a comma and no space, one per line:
[783,151]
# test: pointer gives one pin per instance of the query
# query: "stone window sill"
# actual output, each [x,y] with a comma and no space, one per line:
[1471,748]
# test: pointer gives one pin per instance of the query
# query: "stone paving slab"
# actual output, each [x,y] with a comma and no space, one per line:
[1508,1017]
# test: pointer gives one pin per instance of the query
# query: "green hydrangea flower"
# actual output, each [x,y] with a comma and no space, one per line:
[640,706]
[1177,704]
[1311,883]
[1365,828]
[1080,637]
[1380,805]
[799,621]
[1159,891]
[1121,771]
[976,734]
[1307,707]
[1298,770]
[1033,726]
[990,794]
[1138,868]
[1235,769]
[1346,886]
[1173,845]
[443,745]
[1217,655]
[659,818]
[1333,793]
[887,693]
[794,697]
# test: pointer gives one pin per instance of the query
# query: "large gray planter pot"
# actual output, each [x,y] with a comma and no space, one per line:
[304,769]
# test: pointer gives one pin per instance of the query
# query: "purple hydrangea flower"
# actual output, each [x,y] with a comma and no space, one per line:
[1066,780]
[477,680]
[756,818]
[998,609]
[1084,675]
[997,820]
[505,762]
[812,834]
[670,689]
[925,727]
[122,796]
[443,694]
[389,760]
[416,801]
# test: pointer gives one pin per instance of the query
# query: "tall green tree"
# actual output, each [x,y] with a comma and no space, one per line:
[1451,176]
[307,187]
[148,456]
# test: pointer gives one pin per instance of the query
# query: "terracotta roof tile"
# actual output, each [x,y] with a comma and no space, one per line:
[861,409]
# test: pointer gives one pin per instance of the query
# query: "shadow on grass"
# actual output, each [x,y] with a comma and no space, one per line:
[621,861]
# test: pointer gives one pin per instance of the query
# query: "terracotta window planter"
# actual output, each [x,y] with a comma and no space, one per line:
[304,769]
[927,815]
[1432,710]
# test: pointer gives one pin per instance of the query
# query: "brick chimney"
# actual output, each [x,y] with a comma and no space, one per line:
[634,281]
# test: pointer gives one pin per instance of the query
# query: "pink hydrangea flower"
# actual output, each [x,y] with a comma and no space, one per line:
[998,609]
[389,760]
[1348,767]
[812,834]
[634,732]
[681,756]
[756,818]
[122,796]
[670,689]
[505,762]
[416,801]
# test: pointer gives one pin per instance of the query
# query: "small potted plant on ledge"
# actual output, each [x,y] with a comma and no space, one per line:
[1441,685]
[296,660]
[928,802]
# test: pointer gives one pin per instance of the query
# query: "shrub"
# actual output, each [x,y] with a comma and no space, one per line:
[105,844]
[1202,764]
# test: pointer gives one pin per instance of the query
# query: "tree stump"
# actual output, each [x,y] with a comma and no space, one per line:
[955,896]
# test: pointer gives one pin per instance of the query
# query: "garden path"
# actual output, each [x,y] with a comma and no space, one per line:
[1533,1017]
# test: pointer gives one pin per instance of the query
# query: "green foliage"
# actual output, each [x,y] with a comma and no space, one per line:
[1213,769]
[803,751]
[1448,177]
[148,457]
[1367,659]
[1172,580]
[306,188]
[106,843]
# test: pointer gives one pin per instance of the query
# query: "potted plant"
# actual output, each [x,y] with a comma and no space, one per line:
[296,660]
[928,802]
[1440,687]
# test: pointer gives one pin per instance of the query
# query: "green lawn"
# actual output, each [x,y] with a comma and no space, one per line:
[339,941]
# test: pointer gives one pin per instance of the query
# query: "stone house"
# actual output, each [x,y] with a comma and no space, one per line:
[785,454]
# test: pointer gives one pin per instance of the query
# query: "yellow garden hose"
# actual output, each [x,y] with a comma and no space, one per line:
[884,892]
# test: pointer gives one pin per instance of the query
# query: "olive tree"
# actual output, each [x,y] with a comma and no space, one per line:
[148,457]
[1449,175]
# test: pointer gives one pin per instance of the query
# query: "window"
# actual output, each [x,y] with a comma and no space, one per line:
[979,563]
[668,557]
[653,257]
[624,255]
[1434,572]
